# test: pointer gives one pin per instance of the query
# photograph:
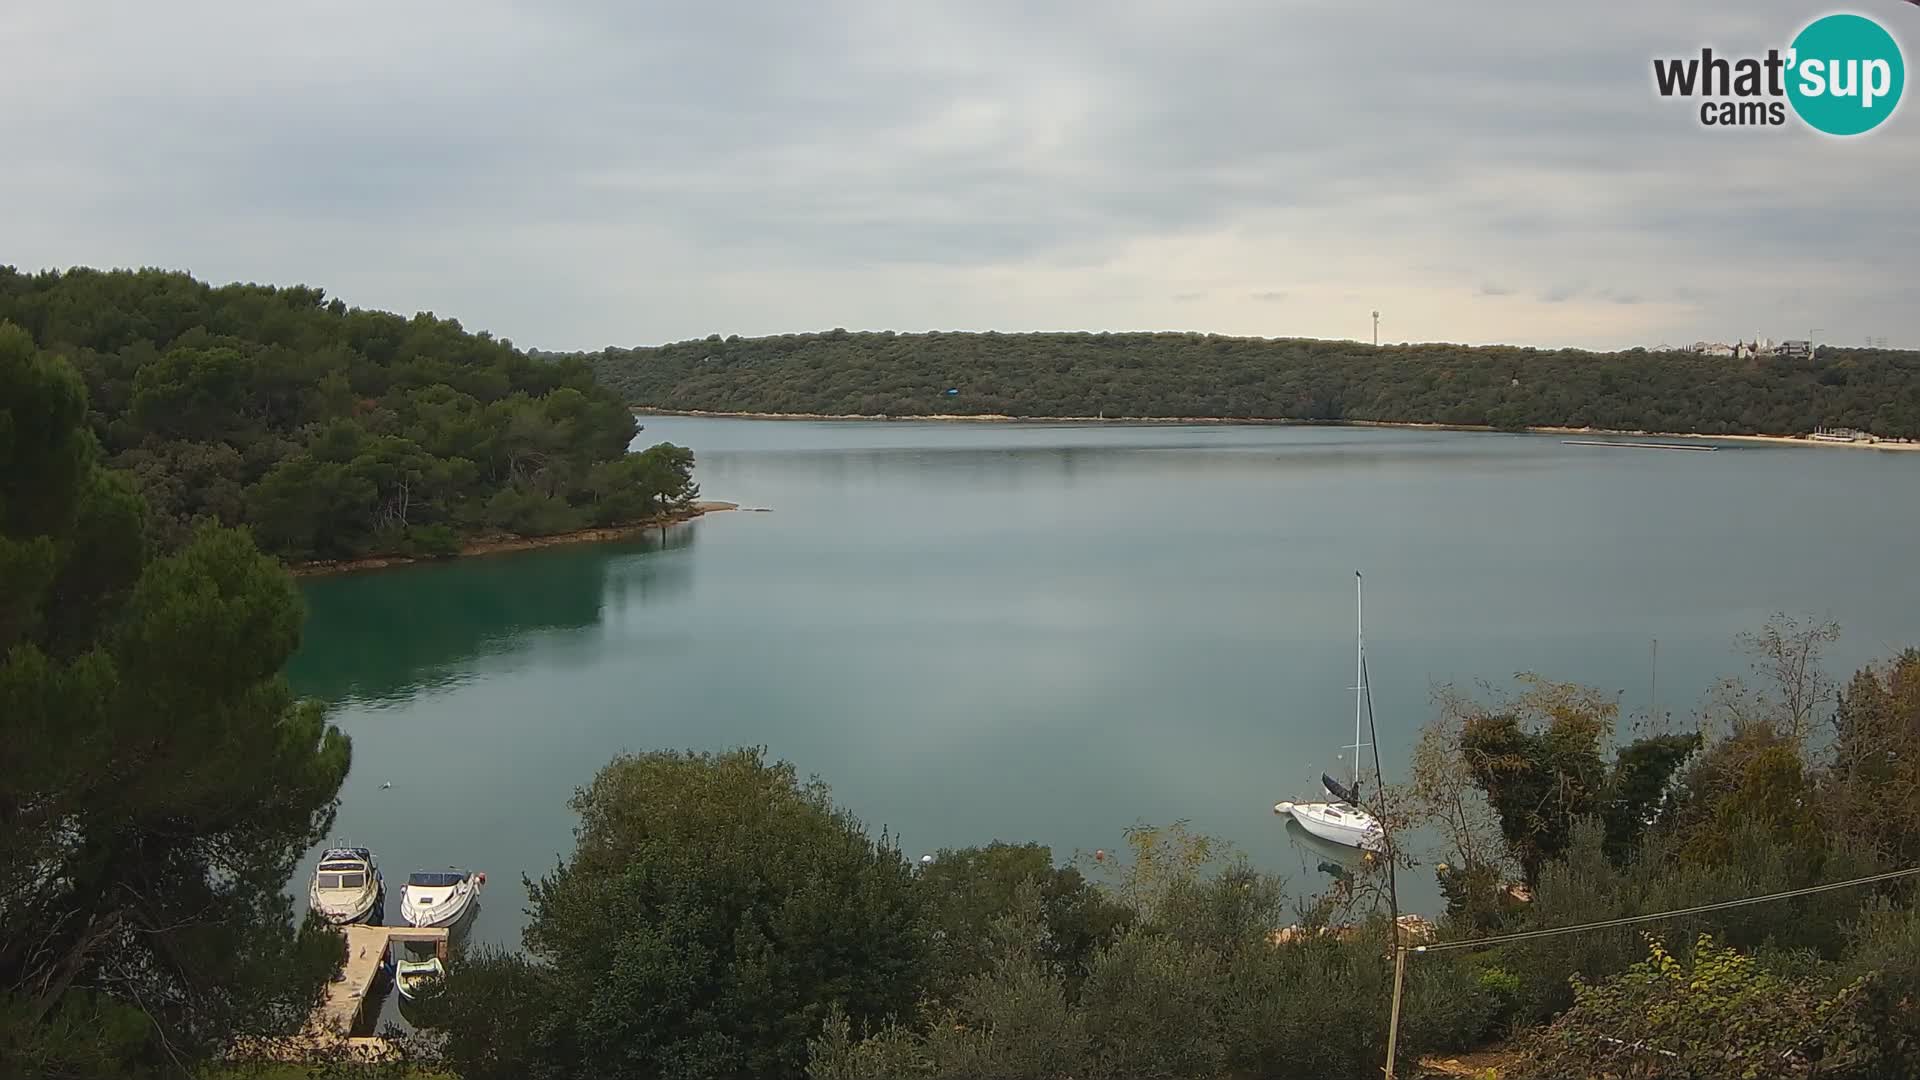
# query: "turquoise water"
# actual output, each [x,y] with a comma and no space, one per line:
[1052,632]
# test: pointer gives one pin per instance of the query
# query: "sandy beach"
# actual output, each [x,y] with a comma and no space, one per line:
[999,418]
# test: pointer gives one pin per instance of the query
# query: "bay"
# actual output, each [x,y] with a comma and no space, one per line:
[1050,632]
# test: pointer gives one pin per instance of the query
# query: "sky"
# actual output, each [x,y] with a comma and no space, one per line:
[586,173]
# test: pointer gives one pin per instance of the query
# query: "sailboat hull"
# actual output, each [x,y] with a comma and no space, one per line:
[1342,825]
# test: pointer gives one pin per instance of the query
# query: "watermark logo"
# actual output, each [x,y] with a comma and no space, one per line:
[1842,75]
[1850,75]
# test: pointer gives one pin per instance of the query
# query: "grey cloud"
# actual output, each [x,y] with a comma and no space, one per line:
[573,174]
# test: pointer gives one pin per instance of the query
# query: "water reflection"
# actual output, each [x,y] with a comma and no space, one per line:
[1049,633]
[383,636]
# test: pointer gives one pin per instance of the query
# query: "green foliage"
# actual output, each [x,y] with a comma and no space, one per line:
[1753,781]
[1208,375]
[1884,960]
[714,911]
[335,432]
[1478,898]
[964,891]
[1587,885]
[1453,1003]
[1873,764]
[493,1016]
[157,778]
[1197,986]
[1538,760]
[1714,1015]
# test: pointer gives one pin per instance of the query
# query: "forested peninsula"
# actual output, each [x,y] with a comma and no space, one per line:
[1178,375]
[337,433]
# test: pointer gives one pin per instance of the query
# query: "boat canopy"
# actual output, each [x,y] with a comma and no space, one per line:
[1340,791]
[435,879]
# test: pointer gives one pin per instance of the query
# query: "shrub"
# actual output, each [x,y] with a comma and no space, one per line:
[1716,1016]
[433,541]
[964,891]
[714,912]
[1886,960]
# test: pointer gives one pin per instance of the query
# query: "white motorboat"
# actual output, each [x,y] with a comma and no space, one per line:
[1342,818]
[413,976]
[439,897]
[346,887]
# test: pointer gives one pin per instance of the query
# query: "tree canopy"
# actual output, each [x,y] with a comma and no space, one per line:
[1211,376]
[715,909]
[333,431]
[157,777]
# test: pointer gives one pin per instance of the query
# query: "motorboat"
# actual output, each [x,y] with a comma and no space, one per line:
[1342,818]
[411,977]
[439,897]
[347,887]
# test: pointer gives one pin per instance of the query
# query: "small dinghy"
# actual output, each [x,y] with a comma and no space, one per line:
[346,887]
[439,897]
[412,977]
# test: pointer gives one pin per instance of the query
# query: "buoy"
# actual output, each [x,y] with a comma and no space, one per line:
[481,877]
[926,860]
[386,785]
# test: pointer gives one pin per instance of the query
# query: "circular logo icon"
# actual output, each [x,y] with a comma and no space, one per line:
[1847,74]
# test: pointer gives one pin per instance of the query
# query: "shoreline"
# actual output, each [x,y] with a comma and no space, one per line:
[509,542]
[1238,421]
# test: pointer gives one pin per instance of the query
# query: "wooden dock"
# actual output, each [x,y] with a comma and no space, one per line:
[329,1030]
[367,948]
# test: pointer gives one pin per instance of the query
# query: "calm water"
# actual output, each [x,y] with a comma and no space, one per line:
[1052,632]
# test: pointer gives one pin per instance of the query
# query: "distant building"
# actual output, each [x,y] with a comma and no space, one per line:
[1759,346]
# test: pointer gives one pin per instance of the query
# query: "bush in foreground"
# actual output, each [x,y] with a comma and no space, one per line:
[715,909]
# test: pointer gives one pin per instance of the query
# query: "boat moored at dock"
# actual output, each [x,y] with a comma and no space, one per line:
[439,897]
[347,887]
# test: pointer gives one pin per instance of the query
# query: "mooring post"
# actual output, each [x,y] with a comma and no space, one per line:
[1393,1022]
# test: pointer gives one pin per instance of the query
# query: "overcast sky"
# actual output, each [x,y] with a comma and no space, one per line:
[580,174]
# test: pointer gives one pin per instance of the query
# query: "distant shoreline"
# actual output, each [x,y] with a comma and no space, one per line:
[1174,421]
[495,545]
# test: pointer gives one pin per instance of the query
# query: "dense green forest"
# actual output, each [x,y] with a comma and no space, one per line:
[1206,375]
[336,432]
[158,779]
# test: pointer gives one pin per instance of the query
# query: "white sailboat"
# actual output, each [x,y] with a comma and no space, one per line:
[1341,819]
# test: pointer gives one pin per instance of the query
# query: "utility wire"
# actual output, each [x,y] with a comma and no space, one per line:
[1480,943]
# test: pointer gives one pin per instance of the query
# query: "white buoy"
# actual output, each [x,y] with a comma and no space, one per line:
[926,860]
[386,785]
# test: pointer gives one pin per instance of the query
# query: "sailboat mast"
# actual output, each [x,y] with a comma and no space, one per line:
[1359,675]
